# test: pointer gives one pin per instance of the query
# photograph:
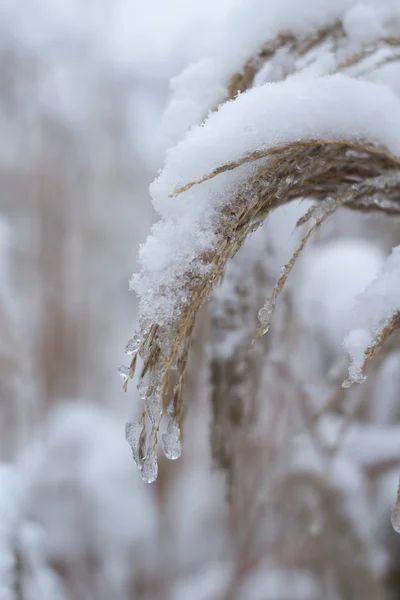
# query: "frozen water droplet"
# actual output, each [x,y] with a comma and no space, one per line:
[132,435]
[264,316]
[142,389]
[153,408]
[354,378]
[171,441]
[347,383]
[124,372]
[254,227]
[171,410]
[395,518]
[133,345]
[322,209]
[150,466]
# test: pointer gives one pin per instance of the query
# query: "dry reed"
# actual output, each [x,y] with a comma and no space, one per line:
[361,175]
[364,176]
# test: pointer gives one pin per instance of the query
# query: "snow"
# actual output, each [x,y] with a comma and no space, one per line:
[234,38]
[10,515]
[209,582]
[373,310]
[271,115]
[87,511]
[268,116]
[332,276]
[194,92]
[361,25]
[84,451]
[38,580]
[268,584]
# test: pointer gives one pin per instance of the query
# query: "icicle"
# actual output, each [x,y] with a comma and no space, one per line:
[133,432]
[153,407]
[171,442]
[150,462]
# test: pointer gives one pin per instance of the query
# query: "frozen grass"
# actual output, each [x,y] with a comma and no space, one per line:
[334,139]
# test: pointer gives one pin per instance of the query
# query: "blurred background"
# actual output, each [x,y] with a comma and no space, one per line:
[83,86]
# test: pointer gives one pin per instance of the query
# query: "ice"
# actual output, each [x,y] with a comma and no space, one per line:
[171,440]
[124,372]
[132,433]
[150,466]
[264,316]
[133,344]
[153,407]
[395,519]
[142,389]
[320,210]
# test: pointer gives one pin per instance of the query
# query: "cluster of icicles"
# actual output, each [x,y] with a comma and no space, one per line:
[142,435]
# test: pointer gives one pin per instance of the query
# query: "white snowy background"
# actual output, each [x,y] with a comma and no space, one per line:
[87,112]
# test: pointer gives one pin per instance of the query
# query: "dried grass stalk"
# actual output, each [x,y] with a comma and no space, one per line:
[366,176]
[235,371]
[287,54]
